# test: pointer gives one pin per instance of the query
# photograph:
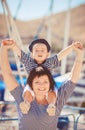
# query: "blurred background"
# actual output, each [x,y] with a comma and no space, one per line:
[60,23]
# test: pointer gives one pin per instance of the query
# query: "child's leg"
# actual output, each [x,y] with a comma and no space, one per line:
[51,98]
[28,96]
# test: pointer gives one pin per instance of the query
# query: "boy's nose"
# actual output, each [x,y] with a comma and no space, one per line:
[40,52]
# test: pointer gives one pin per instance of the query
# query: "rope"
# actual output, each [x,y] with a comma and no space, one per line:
[14,34]
[17,10]
[40,27]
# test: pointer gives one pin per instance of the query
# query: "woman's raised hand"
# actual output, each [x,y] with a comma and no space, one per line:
[8,43]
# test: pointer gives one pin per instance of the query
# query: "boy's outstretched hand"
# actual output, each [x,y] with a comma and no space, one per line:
[77,45]
[79,49]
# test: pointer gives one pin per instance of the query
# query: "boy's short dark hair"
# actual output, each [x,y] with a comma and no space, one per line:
[42,41]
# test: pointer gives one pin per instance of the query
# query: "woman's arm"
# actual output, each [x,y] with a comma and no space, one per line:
[11,44]
[65,91]
[9,79]
[75,72]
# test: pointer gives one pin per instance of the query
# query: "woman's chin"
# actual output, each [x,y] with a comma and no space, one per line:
[41,93]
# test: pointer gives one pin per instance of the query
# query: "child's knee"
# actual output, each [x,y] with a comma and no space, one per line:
[28,96]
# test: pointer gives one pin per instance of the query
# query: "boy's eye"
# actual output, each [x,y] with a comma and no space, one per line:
[36,50]
[39,50]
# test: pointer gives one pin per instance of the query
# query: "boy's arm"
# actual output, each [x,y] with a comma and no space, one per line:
[64,52]
[67,50]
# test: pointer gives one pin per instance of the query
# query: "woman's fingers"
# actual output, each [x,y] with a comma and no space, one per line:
[8,42]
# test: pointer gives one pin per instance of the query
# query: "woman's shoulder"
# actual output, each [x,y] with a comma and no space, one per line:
[17,92]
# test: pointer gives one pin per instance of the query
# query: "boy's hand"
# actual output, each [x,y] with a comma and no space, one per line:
[77,45]
[51,110]
[24,107]
[8,43]
[78,48]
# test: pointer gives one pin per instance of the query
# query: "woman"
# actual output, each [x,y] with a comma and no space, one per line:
[41,82]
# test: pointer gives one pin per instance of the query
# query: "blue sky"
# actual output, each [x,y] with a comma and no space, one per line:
[32,9]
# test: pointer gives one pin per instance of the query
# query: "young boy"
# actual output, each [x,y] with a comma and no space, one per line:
[39,53]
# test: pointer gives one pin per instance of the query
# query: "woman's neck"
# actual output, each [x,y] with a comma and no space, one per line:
[41,100]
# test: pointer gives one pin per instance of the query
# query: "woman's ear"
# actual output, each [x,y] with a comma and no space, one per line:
[31,55]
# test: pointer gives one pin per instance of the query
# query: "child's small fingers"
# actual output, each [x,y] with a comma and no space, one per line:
[78,45]
[24,111]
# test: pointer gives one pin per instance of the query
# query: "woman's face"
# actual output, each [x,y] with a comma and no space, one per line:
[41,85]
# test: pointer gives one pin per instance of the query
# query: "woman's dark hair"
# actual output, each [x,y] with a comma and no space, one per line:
[38,72]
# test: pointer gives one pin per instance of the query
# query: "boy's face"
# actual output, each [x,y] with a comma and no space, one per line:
[39,52]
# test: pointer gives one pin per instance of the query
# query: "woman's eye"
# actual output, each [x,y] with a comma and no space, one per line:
[46,82]
[36,82]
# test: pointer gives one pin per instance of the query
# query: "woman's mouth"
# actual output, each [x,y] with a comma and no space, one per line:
[41,89]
